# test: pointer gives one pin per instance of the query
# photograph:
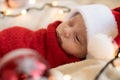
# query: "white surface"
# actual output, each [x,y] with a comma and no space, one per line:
[85,70]
[35,19]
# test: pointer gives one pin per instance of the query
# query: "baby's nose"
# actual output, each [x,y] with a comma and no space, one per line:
[67,32]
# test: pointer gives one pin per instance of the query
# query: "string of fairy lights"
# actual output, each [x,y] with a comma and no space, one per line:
[111,62]
[8,13]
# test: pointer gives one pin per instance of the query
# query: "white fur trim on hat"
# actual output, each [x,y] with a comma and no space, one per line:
[98,19]
[15,53]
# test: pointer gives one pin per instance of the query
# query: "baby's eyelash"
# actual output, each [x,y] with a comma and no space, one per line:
[77,38]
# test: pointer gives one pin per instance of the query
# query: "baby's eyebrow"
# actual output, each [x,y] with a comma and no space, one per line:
[77,13]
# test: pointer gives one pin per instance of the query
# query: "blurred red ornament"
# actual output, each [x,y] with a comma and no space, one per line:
[23,64]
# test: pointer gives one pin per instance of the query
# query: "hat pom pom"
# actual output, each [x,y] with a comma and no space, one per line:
[102,47]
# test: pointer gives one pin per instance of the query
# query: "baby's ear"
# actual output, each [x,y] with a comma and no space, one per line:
[102,47]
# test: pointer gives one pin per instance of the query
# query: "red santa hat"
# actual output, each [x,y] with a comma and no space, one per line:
[103,27]
[98,18]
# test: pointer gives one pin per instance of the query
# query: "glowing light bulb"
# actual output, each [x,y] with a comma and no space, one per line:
[67,77]
[23,12]
[119,55]
[116,63]
[32,1]
[61,11]
[54,3]
[7,12]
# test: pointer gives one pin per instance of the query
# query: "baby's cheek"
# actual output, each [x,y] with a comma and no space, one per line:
[69,49]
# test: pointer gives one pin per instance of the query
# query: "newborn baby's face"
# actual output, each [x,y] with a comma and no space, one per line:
[72,36]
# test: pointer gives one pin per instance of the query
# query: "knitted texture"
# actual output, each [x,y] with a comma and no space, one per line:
[43,40]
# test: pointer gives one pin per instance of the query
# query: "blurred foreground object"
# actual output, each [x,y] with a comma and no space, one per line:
[23,64]
[16,3]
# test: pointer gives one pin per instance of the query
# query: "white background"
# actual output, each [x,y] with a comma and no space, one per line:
[39,19]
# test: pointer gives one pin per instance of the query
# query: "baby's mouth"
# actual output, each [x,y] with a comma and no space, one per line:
[59,38]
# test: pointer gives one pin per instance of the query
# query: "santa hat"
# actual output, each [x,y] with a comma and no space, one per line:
[98,19]
[103,27]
